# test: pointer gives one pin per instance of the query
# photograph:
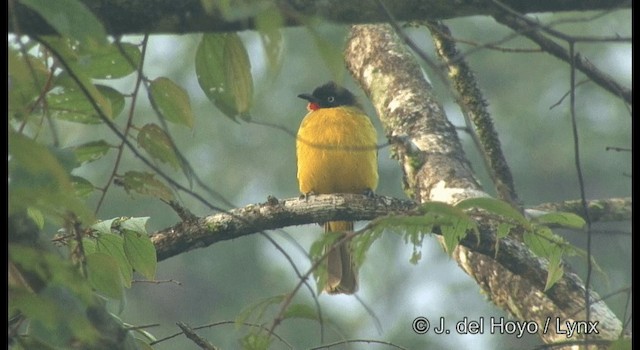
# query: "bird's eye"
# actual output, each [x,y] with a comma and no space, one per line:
[330,99]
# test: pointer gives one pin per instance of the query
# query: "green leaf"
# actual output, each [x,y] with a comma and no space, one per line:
[502,231]
[562,219]
[137,225]
[108,62]
[452,234]
[56,315]
[104,274]
[158,144]
[38,180]
[300,311]
[72,105]
[171,101]
[103,227]
[82,187]
[91,151]
[50,268]
[68,52]
[36,215]
[269,22]
[361,243]
[146,184]
[89,245]
[543,242]
[27,80]
[141,253]
[224,73]
[113,245]
[70,18]
[555,271]
[495,206]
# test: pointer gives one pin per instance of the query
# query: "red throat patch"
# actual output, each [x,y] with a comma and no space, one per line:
[312,106]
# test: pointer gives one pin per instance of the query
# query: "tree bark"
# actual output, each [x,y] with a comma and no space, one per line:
[189,16]
[436,169]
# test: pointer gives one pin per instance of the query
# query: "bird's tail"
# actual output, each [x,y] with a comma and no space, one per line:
[341,271]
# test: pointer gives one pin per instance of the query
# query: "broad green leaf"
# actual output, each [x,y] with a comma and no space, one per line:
[555,271]
[26,82]
[72,105]
[113,245]
[543,242]
[89,245]
[146,184]
[562,219]
[502,231]
[138,224]
[495,206]
[66,50]
[38,180]
[452,234]
[57,317]
[237,71]
[91,151]
[103,227]
[36,215]
[158,144]
[141,253]
[172,101]
[300,311]
[70,18]
[51,269]
[104,274]
[108,62]
[82,187]
[269,22]
[224,73]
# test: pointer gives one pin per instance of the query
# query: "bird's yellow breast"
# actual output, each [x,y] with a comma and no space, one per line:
[336,152]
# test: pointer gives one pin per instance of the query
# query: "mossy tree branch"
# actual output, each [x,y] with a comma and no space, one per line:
[435,168]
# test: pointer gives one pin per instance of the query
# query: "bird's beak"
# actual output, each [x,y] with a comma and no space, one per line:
[309,98]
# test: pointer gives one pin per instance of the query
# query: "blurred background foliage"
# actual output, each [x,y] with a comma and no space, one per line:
[245,162]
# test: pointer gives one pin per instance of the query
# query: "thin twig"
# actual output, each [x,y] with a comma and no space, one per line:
[215,324]
[193,336]
[134,97]
[531,30]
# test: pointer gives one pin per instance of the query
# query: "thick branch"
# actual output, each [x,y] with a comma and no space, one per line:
[202,232]
[474,106]
[435,168]
[188,16]
[600,210]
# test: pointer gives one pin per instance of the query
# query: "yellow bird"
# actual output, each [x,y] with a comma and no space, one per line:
[336,153]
